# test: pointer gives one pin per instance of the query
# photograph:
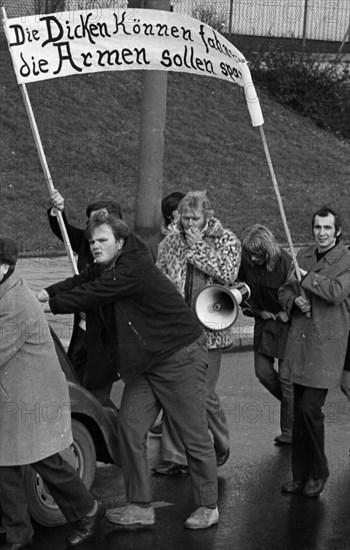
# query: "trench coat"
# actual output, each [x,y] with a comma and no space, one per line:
[34,399]
[316,346]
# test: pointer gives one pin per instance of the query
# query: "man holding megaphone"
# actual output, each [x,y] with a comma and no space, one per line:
[200,252]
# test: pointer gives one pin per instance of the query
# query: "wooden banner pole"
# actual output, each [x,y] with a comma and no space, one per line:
[47,174]
[280,204]
[43,162]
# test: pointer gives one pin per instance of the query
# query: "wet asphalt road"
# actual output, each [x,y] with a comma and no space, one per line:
[254,515]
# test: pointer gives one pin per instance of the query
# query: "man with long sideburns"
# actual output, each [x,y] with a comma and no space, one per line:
[316,345]
[200,253]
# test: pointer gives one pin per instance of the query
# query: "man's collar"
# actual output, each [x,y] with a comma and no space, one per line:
[332,255]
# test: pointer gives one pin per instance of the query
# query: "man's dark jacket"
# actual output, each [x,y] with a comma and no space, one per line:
[145,318]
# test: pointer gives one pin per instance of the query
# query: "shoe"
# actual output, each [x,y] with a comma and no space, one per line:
[314,487]
[171,468]
[132,515]
[157,429]
[203,518]
[292,487]
[222,457]
[18,545]
[84,528]
[283,440]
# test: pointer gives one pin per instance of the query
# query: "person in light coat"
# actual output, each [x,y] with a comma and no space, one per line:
[35,423]
[316,345]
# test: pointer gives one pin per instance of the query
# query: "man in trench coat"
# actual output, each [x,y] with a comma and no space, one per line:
[35,423]
[316,345]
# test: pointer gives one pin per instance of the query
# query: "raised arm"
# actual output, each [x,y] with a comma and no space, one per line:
[76,235]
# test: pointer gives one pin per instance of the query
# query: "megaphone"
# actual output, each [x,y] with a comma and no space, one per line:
[216,306]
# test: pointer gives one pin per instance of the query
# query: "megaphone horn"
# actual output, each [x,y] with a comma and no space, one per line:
[216,306]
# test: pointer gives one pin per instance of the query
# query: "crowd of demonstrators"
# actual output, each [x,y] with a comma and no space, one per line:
[143,323]
[94,368]
[161,354]
[30,379]
[199,253]
[265,268]
[316,345]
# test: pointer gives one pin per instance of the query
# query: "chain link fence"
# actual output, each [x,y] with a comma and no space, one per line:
[306,19]
[313,19]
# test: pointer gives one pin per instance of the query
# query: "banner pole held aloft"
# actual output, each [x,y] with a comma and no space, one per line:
[251,96]
[280,204]
[43,162]
[47,174]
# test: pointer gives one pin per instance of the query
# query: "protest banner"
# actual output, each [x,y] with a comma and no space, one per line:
[79,42]
[89,41]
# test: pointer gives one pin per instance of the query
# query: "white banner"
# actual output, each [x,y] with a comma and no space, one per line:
[78,42]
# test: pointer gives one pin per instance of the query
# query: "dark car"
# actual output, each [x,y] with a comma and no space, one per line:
[95,439]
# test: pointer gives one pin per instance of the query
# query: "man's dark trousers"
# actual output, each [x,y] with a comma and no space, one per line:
[62,480]
[308,456]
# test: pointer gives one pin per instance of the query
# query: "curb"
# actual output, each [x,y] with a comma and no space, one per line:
[63,254]
[239,349]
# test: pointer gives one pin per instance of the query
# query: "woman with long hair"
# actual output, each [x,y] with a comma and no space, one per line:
[264,268]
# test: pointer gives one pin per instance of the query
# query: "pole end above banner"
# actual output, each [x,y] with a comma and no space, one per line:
[252,99]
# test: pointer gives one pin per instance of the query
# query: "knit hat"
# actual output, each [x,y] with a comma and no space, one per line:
[8,251]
